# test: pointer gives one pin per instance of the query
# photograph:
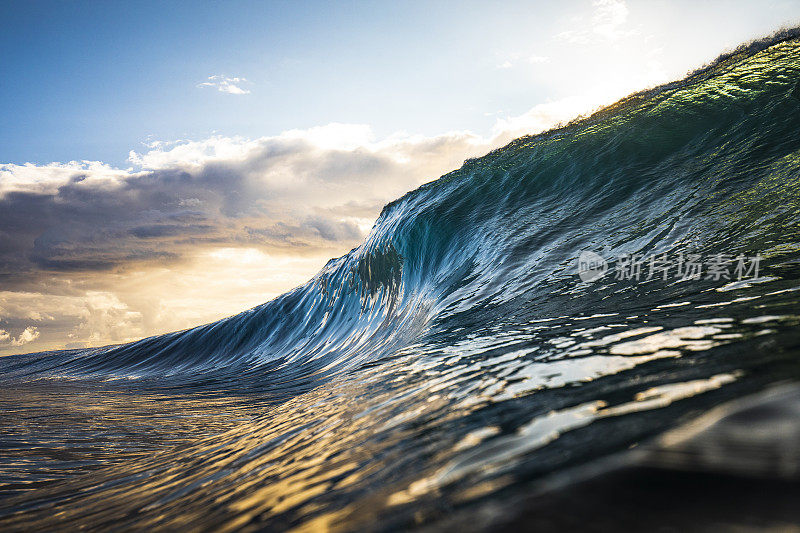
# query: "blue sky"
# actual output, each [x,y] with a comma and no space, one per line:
[93,80]
[166,164]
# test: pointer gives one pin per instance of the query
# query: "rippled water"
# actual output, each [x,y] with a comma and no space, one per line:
[455,360]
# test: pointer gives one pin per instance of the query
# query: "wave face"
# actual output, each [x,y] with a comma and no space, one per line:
[454,359]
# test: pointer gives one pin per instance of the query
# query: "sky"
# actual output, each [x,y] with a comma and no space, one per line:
[166,164]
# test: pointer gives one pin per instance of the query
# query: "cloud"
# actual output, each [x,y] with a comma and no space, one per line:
[512,60]
[225,84]
[30,334]
[286,194]
[608,18]
[607,23]
[547,115]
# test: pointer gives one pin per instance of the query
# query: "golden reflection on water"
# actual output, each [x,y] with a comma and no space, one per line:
[342,453]
[52,430]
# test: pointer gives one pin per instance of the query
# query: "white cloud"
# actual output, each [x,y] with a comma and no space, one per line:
[608,21]
[547,115]
[538,59]
[609,16]
[512,60]
[30,334]
[224,84]
[45,179]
